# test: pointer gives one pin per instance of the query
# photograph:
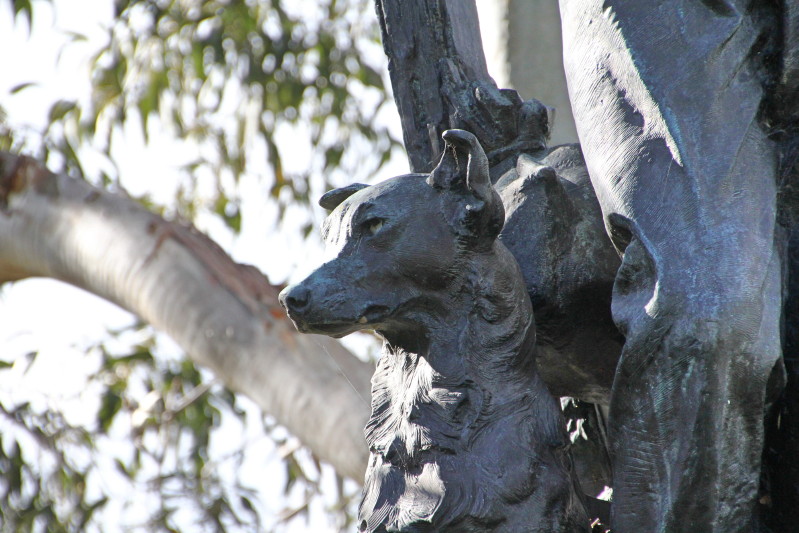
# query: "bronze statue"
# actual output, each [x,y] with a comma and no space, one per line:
[464,436]
[688,116]
[684,110]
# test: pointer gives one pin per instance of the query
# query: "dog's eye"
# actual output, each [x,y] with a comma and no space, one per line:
[373,225]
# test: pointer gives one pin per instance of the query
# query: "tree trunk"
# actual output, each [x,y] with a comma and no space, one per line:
[223,314]
[416,60]
[440,81]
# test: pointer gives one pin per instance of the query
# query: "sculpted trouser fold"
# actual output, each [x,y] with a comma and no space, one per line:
[666,98]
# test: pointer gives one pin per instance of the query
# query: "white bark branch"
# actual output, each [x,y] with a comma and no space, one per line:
[223,314]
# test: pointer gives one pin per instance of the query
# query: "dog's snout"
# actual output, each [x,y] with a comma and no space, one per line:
[294,298]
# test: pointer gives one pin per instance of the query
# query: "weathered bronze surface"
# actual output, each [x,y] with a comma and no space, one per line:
[664,286]
[464,435]
[680,118]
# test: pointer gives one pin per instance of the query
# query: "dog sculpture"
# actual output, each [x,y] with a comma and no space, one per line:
[464,435]
[555,230]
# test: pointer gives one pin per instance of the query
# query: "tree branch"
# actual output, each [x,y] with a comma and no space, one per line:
[223,314]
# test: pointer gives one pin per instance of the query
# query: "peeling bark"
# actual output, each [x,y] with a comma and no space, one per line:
[225,315]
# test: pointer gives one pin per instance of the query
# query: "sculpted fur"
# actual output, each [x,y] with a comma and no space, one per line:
[464,435]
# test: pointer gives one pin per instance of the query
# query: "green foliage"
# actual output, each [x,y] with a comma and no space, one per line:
[241,79]
[23,9]
[54,475]
[30,501]
[234,77]
[6,136]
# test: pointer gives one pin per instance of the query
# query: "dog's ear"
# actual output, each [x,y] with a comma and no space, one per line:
[331,199]
[463,169]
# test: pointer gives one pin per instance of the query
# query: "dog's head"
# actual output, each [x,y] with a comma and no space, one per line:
[399,245]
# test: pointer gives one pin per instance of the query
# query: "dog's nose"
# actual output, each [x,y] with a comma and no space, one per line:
[294,298]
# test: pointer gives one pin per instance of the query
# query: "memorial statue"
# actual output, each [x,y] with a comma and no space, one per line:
[464,435]
[688,117]
[683,109]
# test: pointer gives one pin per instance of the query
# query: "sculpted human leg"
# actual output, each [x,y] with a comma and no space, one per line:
[667,96]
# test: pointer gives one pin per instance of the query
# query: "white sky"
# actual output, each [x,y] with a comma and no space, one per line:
[59,321]
[43,314]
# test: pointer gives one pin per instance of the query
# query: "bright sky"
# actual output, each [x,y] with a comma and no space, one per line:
[48,315]
[59,321]
[43,314]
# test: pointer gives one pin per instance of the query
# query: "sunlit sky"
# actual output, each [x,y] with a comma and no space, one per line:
[59,321]
[40,314]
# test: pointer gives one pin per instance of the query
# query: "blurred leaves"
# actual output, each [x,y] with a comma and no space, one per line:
[7,138]
[23,9]
[21,86]
[170,416]
[43,489]
[238,78]
[247,81]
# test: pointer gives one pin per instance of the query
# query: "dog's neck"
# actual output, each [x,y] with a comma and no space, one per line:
[481,327]
[450,386]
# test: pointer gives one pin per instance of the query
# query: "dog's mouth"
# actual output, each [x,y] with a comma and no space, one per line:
[372,315]
[331,329]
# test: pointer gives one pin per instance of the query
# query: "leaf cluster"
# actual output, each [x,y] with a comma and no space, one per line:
[241,80]
[59,477]
[36,494]
[245,81]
